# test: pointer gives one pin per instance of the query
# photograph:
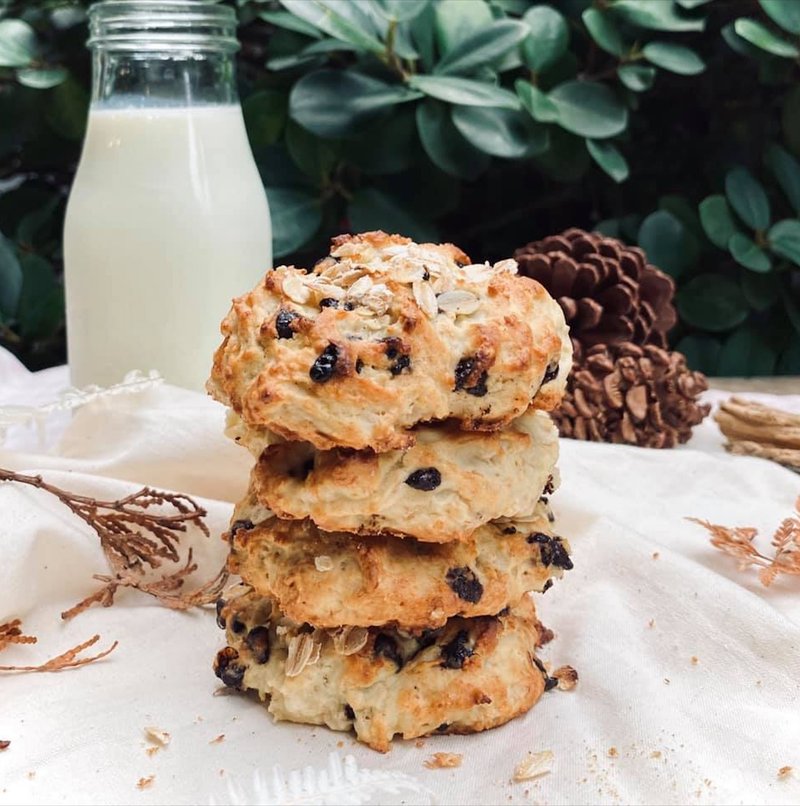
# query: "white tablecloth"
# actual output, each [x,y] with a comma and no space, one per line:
[646,723]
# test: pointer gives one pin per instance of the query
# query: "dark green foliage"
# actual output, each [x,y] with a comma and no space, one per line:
[674,124]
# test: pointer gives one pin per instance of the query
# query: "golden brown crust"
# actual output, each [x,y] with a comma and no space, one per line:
[471,675]
[327,579]
[478,477]
[469,342]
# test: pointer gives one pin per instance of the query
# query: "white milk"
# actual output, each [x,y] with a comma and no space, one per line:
[166,222]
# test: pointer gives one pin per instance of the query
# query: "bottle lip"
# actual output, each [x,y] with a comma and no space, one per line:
[162,26]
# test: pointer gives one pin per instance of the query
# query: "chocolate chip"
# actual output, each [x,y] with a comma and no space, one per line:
[504,612]
[464,372]
[547,586]
[551,373]
[509,530]
[283,324]
[465,584]
[329,302]
[257,641]
[560,557]
[220,619]
[227,668]
[456,652]
[385,645]
[349,712]
[537,537]
[443,727]
[323,368]
[551,516]
[349,306]
[403,362]
[426,275]
[425,479]
[549,487]
[244,523]
[550,682]
[238,626]
[551,551]
[359,365]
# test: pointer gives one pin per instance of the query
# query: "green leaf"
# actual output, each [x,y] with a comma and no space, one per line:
[636,77]
[330,103]
[566,159]
[265,114]
[603,30]
[746,353]
[400,10]
[712,302]
[386,146]
[675,58]
[500,132]
[41,301]
[539,106]
[422,30]
[313,156]
[759,35]
[786,169]
[656,16]
[17,43]
[761,290]
[748,198]
[41,79]
[741,46]
[444,144]
[784,239]
[607,156]
[455,20]
[308,55]
[339,20]
[680,207]
[748,254]
[690,4]
[464,91]
[667,243]
[702,352]
[717,221]
[589,109]
[67,109]
[284,19]
[784,12]
[296,216]
[10,279]
[482,47]
[548,37]
[372,209]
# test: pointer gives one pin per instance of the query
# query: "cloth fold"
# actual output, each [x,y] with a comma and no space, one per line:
[688,667]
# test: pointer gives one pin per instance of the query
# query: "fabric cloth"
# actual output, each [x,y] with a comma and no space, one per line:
[688,667]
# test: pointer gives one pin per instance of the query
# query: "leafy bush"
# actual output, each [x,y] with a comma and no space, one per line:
[674,124]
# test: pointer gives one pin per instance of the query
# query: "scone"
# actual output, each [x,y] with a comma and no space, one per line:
[328,579]
[470,675]
[440,489]
[385,334]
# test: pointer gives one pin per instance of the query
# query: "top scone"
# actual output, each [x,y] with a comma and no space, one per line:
[384,334]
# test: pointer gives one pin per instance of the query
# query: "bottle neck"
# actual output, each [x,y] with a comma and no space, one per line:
[127,78]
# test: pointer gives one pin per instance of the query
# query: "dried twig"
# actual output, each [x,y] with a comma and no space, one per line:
[137,538]
[738,543]
[67,660]
[753,429]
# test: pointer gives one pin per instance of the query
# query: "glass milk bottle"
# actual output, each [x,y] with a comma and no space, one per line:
[167,219]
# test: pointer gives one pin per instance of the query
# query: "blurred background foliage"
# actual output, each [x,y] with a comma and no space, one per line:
[672,124]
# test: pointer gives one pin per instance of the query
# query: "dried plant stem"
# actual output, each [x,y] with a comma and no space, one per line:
[66,660]
[135,537]
[11,633]
[738,542]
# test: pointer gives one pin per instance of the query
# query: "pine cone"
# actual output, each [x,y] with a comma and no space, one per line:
[624,393]
[608,291]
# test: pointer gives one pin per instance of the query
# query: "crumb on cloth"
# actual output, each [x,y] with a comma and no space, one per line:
[218,739]
[145,783]
[439,761]
[567,678]
[534,765]
[613,752]
[784,772]
[4,744]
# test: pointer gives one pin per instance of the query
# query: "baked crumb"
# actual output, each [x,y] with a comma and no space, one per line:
[784,773]
[651,623]
[158,738]
[32,774]
[655,754]
[146,783]
[613,752]
[218,739]
[340,743]
[656,555]
[695,660]
[4,744]
[439,761]
[419,743]
[666,681]
[567,678]
[533,765]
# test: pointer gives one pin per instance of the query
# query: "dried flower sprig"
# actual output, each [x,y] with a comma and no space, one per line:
[738,542]
[135,538]
[11,633]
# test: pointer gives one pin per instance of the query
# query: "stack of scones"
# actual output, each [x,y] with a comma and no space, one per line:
[395,398]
